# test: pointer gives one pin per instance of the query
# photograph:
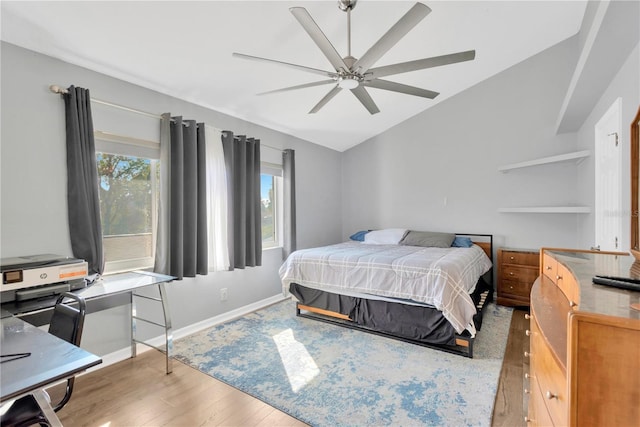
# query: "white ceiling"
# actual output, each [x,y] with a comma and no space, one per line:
[184,49]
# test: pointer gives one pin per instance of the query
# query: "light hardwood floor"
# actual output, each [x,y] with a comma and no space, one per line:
[508,409]
[137,392]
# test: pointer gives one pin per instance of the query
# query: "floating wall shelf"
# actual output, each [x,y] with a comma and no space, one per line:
[578,156]
[548,209]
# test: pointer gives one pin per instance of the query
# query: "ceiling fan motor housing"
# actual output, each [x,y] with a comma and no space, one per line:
[349,79]
[346,5]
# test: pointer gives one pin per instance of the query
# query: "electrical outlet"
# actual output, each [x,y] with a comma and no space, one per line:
[223,294]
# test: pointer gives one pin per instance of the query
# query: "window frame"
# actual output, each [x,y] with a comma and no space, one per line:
[275,171]
[110,143]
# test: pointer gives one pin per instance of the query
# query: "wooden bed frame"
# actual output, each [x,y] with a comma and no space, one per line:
[463,342]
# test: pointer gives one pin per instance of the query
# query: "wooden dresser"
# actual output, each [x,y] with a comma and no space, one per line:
[584,343]
[517,270]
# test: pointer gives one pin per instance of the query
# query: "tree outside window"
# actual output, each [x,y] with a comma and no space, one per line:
[126,206]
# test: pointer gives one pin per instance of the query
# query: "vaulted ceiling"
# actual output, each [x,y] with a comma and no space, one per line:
[184,49]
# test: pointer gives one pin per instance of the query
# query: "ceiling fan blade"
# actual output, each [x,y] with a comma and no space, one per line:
[421,64]
[399,87]
[310,26]
[302,86]
[299,67]
[393,36]
[328,97]
[363,96]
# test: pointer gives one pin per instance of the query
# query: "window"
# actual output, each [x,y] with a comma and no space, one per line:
[268,210]
[128,192]
[271,206]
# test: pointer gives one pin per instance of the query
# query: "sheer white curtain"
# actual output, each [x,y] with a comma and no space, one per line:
[216,201]
[164,198]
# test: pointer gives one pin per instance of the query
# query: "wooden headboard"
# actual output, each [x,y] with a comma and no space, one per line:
[487,247]
[485,241]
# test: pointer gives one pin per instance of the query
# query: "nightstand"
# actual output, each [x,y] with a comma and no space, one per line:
[517,270]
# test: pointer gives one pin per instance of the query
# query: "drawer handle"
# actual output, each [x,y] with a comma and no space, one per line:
[528,376]
[550,395]
[527,333]
[527,354]
[527,391]
[528,420]
[511,287]
[511,273]
[527,316]
[572,304]
[512,258]
[549,267]
[558,277]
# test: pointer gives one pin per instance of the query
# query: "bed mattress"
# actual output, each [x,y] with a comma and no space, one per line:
[439,277]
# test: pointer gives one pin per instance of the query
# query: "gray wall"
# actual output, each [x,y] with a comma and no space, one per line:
[625,85]
[33,216]
[439,170]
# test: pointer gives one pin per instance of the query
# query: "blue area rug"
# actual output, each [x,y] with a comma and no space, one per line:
[326,375]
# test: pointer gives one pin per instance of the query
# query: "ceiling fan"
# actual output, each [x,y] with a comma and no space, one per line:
[356,74]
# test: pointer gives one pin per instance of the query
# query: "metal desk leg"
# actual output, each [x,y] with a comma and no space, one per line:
[46,408]
[134,316]
[168,330]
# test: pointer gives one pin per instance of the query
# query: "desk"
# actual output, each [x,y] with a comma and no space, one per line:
[107,292]
[51,360]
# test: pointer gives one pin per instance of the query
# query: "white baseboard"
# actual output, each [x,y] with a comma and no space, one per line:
[125,353]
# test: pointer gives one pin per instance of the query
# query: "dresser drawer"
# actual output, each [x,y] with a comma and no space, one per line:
[567,283]
[549,377]
[538,413]
[550,267]
[521,258]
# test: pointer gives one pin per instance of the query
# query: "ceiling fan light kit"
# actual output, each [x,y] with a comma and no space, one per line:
[357,74]
[348,82]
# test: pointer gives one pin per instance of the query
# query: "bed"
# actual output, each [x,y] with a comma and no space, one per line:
[406,289]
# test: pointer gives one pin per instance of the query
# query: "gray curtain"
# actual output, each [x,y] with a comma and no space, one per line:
[242,161]
[289,190]
[186,243]
[83,203]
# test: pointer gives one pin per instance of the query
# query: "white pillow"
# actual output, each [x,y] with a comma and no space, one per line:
[388,236]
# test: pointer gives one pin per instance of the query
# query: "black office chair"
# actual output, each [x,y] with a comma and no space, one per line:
[66,323]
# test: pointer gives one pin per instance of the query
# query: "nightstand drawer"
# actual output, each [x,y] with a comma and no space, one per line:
[521,258]
[516,288]
[517,270]
[522,274]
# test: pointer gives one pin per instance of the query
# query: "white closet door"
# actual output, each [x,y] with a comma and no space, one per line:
[608,177]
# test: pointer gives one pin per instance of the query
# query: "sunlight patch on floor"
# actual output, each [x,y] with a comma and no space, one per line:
[298,363]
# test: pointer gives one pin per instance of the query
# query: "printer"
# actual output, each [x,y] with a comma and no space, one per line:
[37,276]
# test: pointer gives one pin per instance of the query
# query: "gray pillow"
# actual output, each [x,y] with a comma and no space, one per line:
[428,239]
